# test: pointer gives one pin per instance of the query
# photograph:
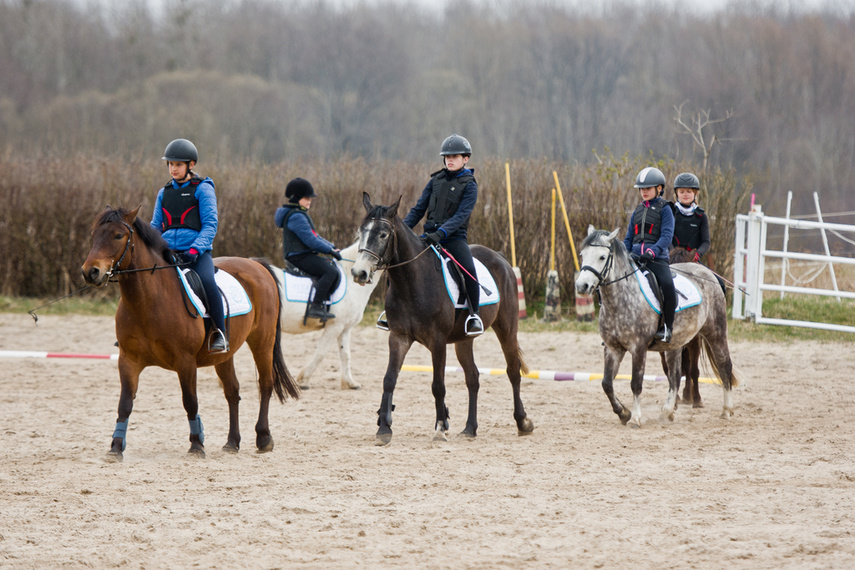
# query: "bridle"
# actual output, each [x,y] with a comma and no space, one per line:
[600,275]
[382,263]
[129,246]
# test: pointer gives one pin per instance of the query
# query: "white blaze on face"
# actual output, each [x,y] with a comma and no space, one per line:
[365,264]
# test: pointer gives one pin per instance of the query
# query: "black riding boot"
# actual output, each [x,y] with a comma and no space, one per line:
[218,343]
[318,311]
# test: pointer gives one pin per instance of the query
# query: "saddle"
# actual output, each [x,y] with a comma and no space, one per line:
[235,299]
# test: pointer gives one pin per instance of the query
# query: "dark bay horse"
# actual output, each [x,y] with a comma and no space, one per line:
[691,352]
[419,309]
[627,323]
[155,327]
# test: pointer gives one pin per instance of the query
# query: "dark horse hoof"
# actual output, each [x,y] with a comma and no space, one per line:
[264,443]
[230,448]
[115,456]
[197,449]
[525,427]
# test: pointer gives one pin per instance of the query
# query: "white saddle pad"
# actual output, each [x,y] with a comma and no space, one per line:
[298,289]
[484,278]
[688,294]
[235,300]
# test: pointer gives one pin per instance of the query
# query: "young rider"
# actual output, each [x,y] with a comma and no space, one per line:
[447,202]
[185,212]
[691,225]
[649,235]
[301,245]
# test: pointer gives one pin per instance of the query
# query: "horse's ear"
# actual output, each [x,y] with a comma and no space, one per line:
[613,235]
[366,202]
[132,215]
[591,229]
[393,209]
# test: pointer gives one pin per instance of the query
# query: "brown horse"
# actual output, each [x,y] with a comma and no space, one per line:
[155,327]
[691,352]
[419,310]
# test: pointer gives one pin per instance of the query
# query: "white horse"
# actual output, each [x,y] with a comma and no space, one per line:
[348,313]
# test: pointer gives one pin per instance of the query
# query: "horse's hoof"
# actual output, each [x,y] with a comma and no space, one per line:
[440,435]
[304,386]
[666,417]
[230,448]
[349,386]
[264,444]
[383,439]
[726,414]
[115,456]
[468,432]
[197,451]
[698,404]
[525,427]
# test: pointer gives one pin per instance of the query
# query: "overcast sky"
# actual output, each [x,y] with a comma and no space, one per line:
[703,6]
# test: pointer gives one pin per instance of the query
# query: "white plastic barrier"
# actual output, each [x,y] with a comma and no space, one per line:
[749,266]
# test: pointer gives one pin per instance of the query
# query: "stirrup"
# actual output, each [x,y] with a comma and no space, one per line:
[473,325]
[217,343]
[382,323]
[663,334]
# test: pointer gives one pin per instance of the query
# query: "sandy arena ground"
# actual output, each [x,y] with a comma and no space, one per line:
[772,488]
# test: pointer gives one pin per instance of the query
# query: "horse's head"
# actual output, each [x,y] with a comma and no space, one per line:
[597,253]
[376,239]
[112,243]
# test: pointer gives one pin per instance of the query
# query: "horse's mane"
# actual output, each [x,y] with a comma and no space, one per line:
[150,236]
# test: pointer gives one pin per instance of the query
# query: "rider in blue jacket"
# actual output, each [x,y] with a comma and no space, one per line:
[648,237]
[185,213]
[301,245]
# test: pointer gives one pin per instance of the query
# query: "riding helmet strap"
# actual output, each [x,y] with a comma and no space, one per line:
[121,431]
[196,428]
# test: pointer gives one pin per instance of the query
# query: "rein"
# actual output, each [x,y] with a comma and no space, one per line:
[114,271]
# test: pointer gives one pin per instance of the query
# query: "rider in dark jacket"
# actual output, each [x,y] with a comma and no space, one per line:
[648,237]
[447,202]
[302,244]
[185,212]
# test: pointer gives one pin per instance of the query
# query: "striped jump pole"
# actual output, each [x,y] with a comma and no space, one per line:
[555,375]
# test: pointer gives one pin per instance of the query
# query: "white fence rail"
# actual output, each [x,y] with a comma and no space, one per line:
[749,268]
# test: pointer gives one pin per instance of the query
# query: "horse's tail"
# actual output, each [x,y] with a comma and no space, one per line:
[523,366]
[734,375]
[282,380]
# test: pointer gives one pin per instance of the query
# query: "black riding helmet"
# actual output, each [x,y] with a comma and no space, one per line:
[181,150]
[298,189]
[455,144]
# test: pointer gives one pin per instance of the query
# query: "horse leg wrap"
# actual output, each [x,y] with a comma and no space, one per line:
[385,403]
[121,432]
[196,428]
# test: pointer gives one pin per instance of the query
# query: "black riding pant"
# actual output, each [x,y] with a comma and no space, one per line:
[324,271]
[459,249]
[204,267]
[662,271]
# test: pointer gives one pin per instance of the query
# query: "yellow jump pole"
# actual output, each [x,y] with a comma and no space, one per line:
[552,308]
[520,292]
[584,305]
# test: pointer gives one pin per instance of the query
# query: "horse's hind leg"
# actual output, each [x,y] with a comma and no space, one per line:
[467,361]
[187,379]
[231,390]
[264,364]
[673,359]
[693,373]
[347,381]
[513,359]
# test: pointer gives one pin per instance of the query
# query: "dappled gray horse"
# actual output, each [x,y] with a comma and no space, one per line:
[419,309]
[627,323]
